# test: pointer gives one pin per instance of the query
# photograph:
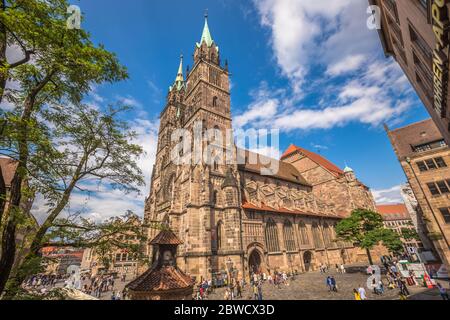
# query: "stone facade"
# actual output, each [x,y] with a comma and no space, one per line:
[234,217]
[416,35]
[425,159]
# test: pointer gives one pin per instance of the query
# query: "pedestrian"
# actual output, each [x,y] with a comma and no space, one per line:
[328,282]
[380,287]
[342,269]
[362,292]
[239,290]
[260,294]
[333,284]
[337,268]
[321,268]
[356,294]
[255,291]
[442,291]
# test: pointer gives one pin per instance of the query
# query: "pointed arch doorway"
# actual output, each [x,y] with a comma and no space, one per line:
[307,260]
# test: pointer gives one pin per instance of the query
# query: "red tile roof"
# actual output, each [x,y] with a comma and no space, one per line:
[393,211]
[165,278]
[166,237]
[8,167]
[314,157]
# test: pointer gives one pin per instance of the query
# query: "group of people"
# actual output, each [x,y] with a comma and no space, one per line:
[43,280]
[98,285]
[340,268]
[331,284]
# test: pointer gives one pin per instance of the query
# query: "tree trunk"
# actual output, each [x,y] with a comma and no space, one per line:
[36,245]
[9,234]
[369,257]
[3,62]
[2,197]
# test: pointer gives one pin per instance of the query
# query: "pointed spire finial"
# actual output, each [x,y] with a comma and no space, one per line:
[206,35]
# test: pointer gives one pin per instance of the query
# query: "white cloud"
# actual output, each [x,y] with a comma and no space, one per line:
[348,64]
[308,37]
[388,196]
[101,202]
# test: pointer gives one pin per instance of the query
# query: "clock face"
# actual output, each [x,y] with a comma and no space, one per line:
[167,257]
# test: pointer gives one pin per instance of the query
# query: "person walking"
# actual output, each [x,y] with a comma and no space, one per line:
[337,268]
[260,293]
[442,291]
[328,282]
[342,269]
[356,294]
[362,292]
[255,291]
[238,289]
[333,284]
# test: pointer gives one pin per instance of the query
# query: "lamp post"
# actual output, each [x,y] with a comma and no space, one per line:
[229,265]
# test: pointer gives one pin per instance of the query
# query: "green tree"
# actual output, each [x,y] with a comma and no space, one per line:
[65,66]
[365,229]
[89,147]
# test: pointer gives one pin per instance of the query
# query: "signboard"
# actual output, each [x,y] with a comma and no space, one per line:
[439,13]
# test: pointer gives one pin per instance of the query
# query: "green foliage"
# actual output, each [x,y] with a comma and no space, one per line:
[409,234]
[365,228]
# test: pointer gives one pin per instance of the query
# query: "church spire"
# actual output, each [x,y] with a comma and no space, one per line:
[206,35]
[179,80]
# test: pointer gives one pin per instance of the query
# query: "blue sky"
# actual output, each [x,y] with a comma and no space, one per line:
[308,67]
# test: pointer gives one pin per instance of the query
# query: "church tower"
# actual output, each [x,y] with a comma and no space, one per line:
[200,200]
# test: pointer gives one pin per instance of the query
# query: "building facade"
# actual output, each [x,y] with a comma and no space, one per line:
[415,213]
[396,217]
[233,215]
[424,157]
[415,33]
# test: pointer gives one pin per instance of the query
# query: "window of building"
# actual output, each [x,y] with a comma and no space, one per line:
[429,146]
[214,102]
[442,186]
[433,188]
[445,214]
[317,237]
[271,235]
[288,233]
[422,166]
[440,162]
[327,235]
[430,164]
[219,233]
[417,39]
[304,239]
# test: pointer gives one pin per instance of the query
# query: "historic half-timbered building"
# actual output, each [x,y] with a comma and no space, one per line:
[235,216]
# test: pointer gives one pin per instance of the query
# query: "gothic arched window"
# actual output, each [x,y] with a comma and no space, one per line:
[271,235]
[317,238]
[214,103]
[288,234]
[219,233]
[327,234]
[303,231]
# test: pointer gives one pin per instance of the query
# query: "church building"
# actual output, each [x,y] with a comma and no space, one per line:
[231,216]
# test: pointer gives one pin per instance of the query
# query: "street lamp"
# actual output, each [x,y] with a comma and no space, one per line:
[229,265]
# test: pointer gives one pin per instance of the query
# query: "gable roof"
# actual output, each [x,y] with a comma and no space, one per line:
[166,237]
[314,157]
[419,133]
[393,211]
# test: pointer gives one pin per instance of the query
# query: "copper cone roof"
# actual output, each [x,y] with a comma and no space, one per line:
[166,237]
[165,278]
